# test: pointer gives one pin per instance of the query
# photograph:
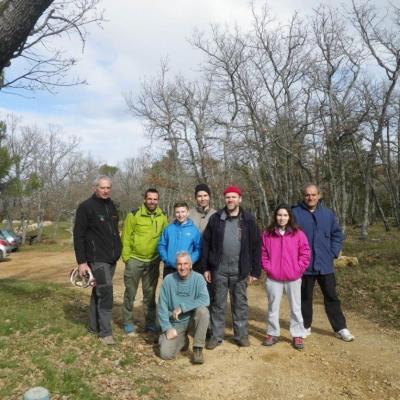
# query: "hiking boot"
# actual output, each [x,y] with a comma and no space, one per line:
[243,341]
[108,340]
[345,335]
[270,340]
[198,355]
[129,329]
[298,343]
[92,331]
[212,343]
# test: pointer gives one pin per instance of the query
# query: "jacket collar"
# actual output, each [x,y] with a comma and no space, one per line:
[145,211]
[100,200]
[223,215]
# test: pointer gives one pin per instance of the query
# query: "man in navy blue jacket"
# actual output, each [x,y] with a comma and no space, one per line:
[325,238]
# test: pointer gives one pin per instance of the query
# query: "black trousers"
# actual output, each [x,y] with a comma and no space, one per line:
[333,310]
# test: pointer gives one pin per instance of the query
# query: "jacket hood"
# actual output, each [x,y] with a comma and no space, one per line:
[302,205]
[145,211]
[188,223]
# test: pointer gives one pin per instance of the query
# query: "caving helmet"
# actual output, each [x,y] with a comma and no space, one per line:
[82,281]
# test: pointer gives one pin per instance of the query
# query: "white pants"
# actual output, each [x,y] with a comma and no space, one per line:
[275,291]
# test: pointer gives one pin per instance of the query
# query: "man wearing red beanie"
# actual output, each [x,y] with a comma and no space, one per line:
[230,259]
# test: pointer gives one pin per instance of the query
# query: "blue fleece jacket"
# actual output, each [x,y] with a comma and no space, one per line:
[188,294]
[324,237]
[178,237]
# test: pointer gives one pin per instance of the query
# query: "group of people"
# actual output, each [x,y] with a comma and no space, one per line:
[206,254]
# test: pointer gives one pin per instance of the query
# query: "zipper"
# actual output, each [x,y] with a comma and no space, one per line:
[112,230]
[94,251]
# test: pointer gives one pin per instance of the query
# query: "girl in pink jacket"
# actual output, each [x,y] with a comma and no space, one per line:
[285,256]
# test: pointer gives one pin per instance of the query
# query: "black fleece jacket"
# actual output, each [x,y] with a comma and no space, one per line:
[250,244]
[96,236]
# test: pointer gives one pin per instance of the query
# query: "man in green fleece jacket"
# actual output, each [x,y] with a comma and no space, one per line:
[140,235]
[182,308]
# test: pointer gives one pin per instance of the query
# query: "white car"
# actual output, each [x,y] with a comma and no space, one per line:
[5,249]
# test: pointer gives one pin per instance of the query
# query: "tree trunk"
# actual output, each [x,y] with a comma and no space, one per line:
[17,20]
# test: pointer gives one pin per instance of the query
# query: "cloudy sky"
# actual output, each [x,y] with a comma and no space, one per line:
[129,48]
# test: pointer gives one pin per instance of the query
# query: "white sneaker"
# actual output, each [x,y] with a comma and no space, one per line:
[308,333]
[345,335]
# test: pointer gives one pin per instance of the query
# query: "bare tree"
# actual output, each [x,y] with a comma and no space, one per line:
[381,36]
[27,32]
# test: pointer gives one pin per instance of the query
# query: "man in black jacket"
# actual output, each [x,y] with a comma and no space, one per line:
[230,260]
[97,247]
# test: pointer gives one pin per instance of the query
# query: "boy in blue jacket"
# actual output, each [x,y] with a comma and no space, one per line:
[180,235]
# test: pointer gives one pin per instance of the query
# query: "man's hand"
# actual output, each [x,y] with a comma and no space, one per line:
[83,269]
[176,313]
[207,276]
[171,333]
[251,279]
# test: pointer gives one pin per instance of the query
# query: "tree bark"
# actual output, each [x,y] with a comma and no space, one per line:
[17,20]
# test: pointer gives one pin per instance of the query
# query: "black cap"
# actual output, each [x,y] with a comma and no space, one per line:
[202,187]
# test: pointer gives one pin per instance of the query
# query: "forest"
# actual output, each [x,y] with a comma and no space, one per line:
[314,98]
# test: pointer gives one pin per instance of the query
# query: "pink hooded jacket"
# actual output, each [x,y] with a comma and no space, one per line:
[285,257]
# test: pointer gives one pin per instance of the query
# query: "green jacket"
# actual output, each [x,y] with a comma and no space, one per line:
[141,233]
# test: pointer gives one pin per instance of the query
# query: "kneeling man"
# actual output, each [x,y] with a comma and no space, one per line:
[182,308]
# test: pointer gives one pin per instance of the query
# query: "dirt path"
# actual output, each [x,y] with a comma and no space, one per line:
[368,368]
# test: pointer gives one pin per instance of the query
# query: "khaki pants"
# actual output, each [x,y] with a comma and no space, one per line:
[197,326]
[149,273]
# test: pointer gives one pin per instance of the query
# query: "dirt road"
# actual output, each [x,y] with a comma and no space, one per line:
[368,368]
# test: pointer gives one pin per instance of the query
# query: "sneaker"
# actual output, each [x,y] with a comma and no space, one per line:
[108,340]
[212,343]
[243,341]
[298,343]
[308,332]
[152,328]
[345,335]
[198,355]
[270,340]
[129,329]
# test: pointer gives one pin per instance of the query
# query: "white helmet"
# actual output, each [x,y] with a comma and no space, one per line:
[82,281]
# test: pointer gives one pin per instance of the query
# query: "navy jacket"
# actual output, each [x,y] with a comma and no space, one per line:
[250,244]
[324,237]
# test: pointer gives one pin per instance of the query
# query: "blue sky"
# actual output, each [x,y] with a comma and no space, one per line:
[129,48]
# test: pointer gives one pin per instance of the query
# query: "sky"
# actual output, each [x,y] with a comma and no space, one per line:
[129,48]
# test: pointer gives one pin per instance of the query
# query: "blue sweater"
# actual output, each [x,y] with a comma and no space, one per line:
[178,237]
[188,294]
[324,237]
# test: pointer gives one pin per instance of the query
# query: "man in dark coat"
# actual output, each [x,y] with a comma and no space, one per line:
[230,260]
[325,239]
[97,247]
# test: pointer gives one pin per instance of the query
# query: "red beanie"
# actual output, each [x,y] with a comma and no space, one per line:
[232,189]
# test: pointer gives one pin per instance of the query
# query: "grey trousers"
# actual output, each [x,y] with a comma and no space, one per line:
[101,300]
[149,273]
[197,326]
[237,288]
[275,291]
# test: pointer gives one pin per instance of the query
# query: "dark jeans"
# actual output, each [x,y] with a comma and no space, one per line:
[237,288]
[333,310]
[101,301]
